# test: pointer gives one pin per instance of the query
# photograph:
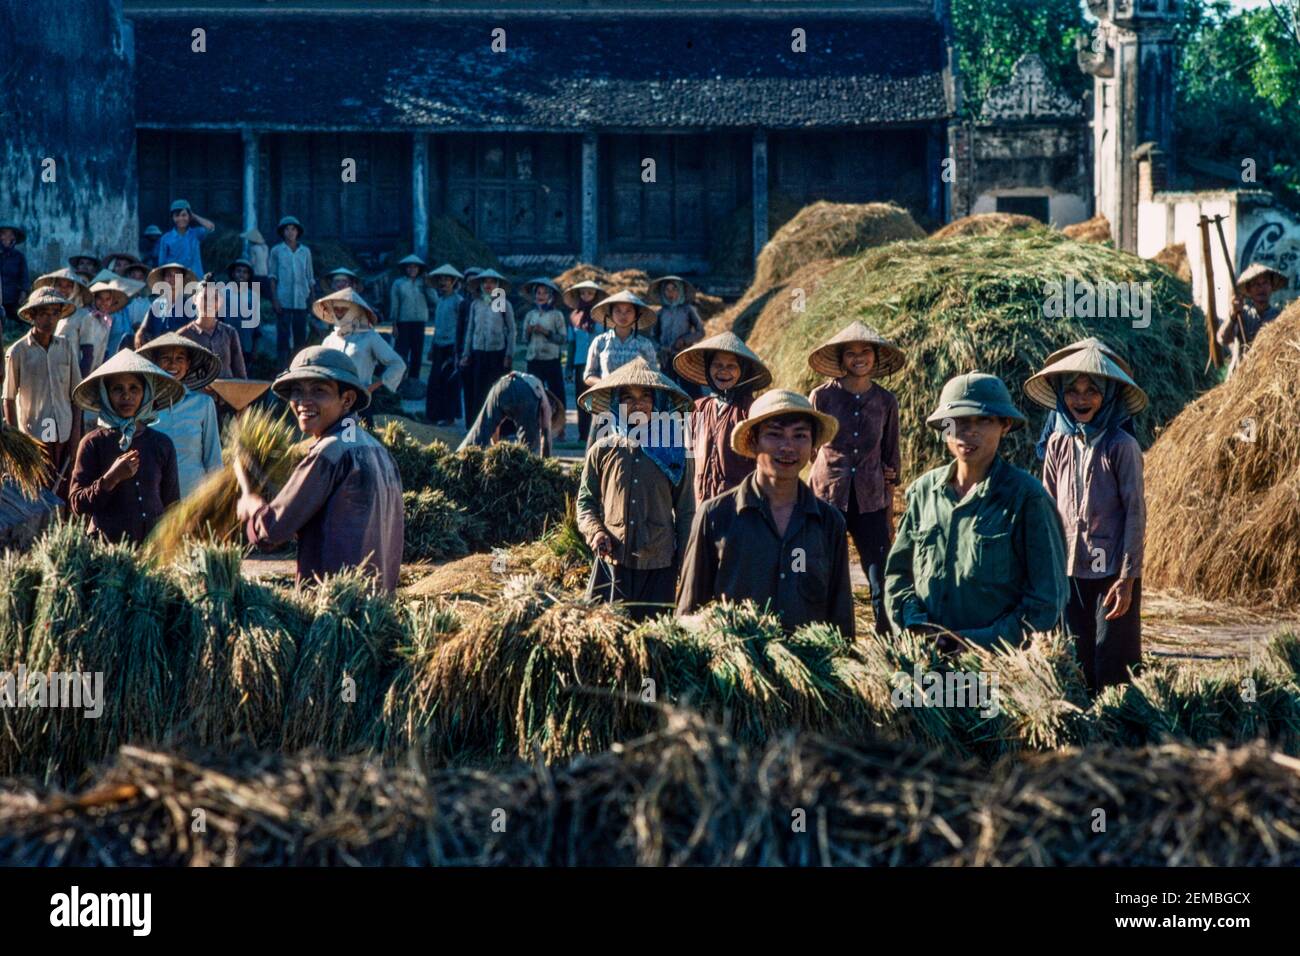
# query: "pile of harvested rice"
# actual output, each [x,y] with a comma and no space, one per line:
[688,794]
[1223,482]
[23,461]
[634,280]
[1174,258]
[436,527]
[963,305]
[987,224]
[1096,229]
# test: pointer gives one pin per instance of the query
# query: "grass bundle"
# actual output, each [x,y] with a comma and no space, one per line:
[963,305]
[1096,229]
[987,224]
[23,461]
[1223,480]
[408,708]
[825,230]
[436,527]
[267,445]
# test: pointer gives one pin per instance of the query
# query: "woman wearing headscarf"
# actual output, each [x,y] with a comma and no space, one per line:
[354,335]
[1055,422]
[635,502]
[734,373]
[125,474]
[1093,470]
[858,469]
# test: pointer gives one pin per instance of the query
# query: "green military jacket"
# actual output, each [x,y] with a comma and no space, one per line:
[990,567]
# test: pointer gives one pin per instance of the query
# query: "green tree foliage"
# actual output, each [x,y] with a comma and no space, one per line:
[992,34]
[1239,93]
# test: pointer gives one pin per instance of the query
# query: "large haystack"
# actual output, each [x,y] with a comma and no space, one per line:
[1096,229]
[828,229]
[966,304]
[634,280]
[1174,258]
[1223,482]
[987,224]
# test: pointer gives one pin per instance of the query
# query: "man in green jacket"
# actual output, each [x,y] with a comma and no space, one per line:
[979,550]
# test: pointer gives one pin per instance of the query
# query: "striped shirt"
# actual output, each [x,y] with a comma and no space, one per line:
[608,352]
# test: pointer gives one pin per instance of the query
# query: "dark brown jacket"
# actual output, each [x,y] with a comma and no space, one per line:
[129,511]
[866,443]
[717,467]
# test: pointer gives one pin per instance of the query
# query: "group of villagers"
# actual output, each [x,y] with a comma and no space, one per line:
[984,553]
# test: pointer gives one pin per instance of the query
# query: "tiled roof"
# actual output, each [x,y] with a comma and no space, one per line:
[560,73]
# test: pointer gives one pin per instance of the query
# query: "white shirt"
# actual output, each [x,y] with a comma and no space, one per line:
[367,350]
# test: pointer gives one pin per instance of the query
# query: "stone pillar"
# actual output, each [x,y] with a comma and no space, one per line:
[590,198]
[420,194]
[759,184]
[252,150]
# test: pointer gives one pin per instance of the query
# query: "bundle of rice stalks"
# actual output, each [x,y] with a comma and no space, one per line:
[962,305]
[436,527]
[1224,478]
[267,445]
[987,224]
[826,230]
[561,555]
[345,662]
[417,461]
[23,461]
[407,719]
[634,280]
[1096,229]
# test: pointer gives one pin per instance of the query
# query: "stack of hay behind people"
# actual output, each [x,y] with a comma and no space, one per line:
[1223,481]
[987,224]
[1096,229]
[634,280]
[962,305]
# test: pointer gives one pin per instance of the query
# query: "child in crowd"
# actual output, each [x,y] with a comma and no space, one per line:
[581,299]
[545,334]
[442,395]
[149,240]
[489,349]
[41,372]
[408,308]
[219,338]
[125,474]
[191,423]
[1093,471]
[978,555]
[181,242]
[635,499]
[857,470]
[343,502]
[679,324]
[770,539]
[256,252]
[619,345]
[734,373]
[293,281]
[246,315]
[354,334]
[110,295]
[84,264]
[171,284]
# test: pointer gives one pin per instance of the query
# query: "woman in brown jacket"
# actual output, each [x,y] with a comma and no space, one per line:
[735,373]
[125,475]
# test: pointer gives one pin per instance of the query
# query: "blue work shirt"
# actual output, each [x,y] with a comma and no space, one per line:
[183,248]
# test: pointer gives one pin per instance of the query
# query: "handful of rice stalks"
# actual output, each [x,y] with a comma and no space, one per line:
[23,461]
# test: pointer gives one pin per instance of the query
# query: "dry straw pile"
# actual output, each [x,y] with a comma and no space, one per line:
[1096,229]
[23,461]
[1223,482]
[987,224]
[686,794]
[634,280]
[963,305]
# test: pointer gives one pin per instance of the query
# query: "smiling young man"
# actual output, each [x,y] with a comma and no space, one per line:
[344,500]
[770,539]
[978,551]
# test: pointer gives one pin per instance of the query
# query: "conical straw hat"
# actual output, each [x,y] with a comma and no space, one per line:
[774,404]
[239,393]
[80,294]
[166,390]
[1094,363]
[825,359]
[597,398]
[571,294]
[1256,269]
[204,364]
[602,311]
[1090,342]
[323,307]
[156,275]
[46,296]
[689,362]
[688,290]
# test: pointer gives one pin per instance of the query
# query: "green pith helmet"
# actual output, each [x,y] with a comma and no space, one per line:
[318,362]
[975,393]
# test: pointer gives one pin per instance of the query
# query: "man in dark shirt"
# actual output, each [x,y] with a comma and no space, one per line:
[770,539]
[13,271]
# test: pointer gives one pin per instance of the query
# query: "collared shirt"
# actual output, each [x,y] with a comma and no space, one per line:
[735,552]
[625,494]
[41,381]
[192,426]
[368,350]
[490,330]
[128,511]
[223,341]
[293,274]
[344,503]
[86,328]
[553,335]
[1100,497]
[579,343]
[408,300]
[866,443]
[990,566]
[183,247]
[717,467]
[675,321]
[446,315]
[608,352]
